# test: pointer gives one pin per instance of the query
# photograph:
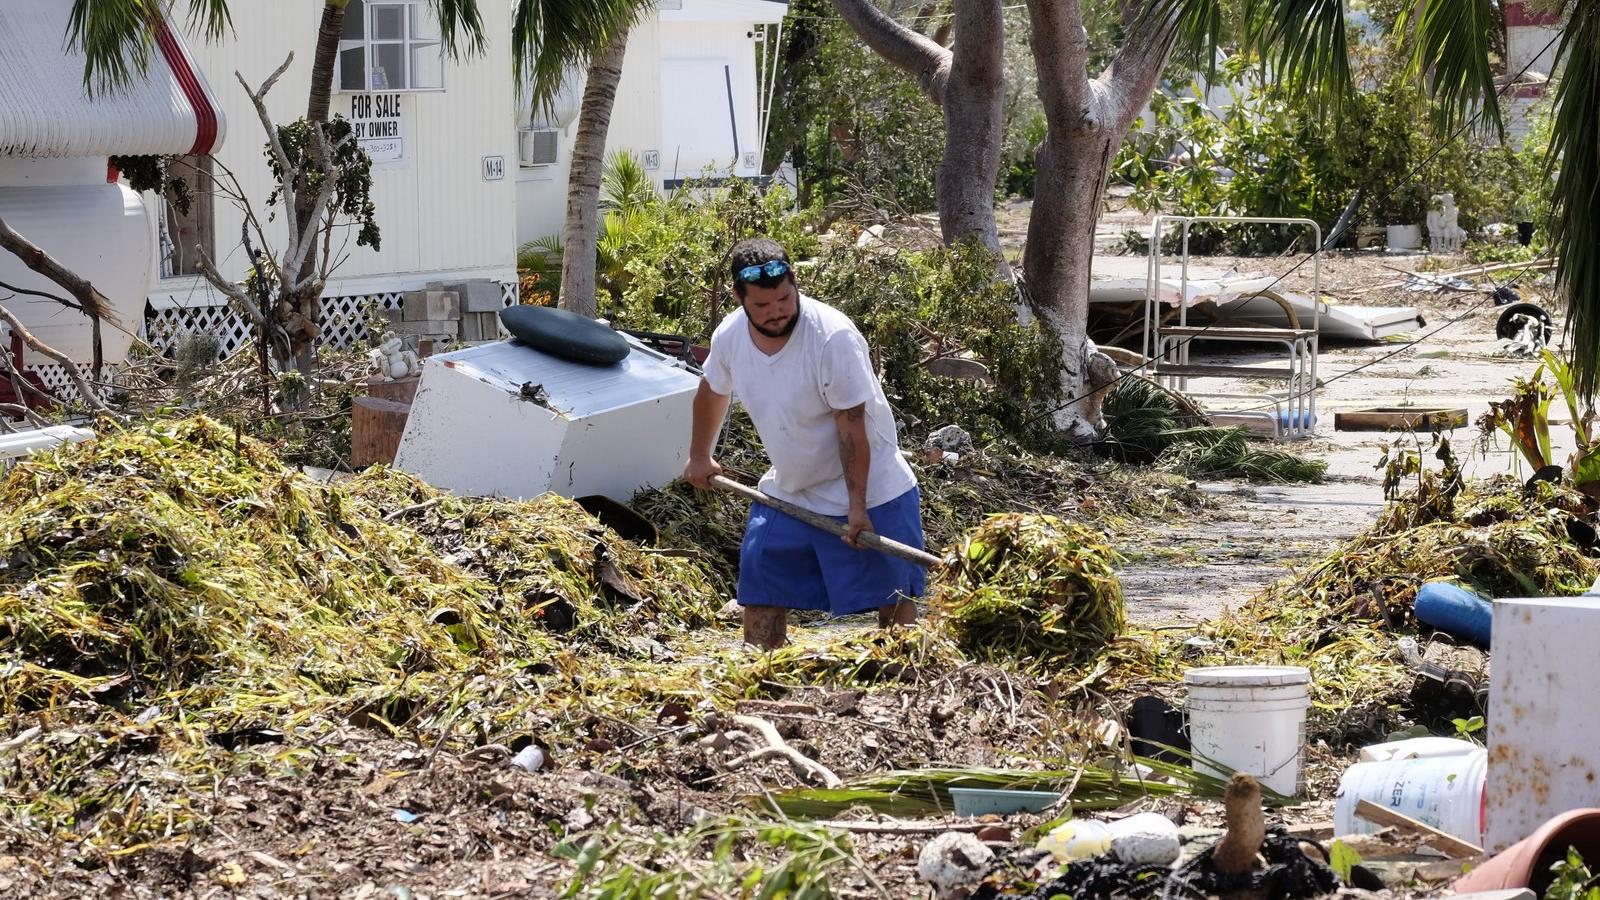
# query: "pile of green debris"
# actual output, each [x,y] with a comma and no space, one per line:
[180,564]
[1035,590]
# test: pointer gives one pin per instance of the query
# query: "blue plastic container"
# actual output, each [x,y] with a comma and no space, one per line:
[1455,611]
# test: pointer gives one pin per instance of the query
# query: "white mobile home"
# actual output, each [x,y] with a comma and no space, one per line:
[693,100]
[57,187]
[435,127]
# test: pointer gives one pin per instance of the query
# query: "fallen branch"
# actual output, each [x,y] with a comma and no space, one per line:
[90,302]
[1474,272]
[20,740]
[777,746]
[90,398]
[413,508]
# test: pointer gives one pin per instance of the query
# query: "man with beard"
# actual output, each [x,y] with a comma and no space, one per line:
[804,374]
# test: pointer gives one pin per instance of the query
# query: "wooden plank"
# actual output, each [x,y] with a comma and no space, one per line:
[1204,371]
[375,428]
[1448,844]
[1403,418]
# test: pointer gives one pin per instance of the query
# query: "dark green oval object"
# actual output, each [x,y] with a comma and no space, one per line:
[565,334]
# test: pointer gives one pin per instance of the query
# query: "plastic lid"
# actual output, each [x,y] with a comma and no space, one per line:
[1247,676]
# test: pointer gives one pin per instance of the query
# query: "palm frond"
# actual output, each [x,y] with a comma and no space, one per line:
[1304,44]
[927,791]
[1201,29]
[1451,52]
[542,255]
[625,185]
[460,24]
[549,37]
[1575,211]
[116,36]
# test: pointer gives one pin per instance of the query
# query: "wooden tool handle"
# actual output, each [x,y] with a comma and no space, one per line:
[868,538]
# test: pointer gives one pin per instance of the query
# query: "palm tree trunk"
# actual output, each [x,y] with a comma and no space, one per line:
[303,310]
[326,58]
[581,234]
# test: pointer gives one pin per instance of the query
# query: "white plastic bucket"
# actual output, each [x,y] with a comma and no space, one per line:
[1443,791]
[1404,237]
[1250,719]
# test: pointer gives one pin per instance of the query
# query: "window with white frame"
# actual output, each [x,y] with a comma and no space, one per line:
[390,46]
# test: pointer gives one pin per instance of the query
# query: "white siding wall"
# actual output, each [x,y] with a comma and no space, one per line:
[703,48]
[436,212]
[660,56]
[635,126]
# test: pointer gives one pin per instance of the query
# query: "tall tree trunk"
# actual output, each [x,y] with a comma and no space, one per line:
[1071,176]
[1088,120]
[974,118]
[304,310]
[968,84]
[327,57]
[581,234]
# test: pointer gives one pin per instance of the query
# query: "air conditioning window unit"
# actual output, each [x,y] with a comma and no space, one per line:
[537,146]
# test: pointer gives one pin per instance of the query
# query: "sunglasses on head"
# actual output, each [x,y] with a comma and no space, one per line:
[776,268]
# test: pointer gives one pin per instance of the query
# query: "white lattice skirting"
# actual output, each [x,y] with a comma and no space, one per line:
[344,327]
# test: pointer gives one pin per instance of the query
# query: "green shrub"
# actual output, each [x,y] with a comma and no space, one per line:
[1265,156]
[910,306]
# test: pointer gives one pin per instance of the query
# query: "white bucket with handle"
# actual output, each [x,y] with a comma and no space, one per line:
[1250,719]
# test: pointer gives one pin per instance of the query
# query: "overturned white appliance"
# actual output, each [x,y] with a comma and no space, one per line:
[505,419]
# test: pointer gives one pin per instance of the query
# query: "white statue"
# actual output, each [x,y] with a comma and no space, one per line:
[1445,235]
[393,361]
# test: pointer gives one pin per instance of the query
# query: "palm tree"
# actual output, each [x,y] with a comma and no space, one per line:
[550,38]
[1304,43]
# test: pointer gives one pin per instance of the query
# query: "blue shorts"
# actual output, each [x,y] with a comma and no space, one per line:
[785,562]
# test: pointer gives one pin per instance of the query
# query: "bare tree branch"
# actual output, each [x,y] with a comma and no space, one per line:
[90,302]
[1061,52]
[22,412]
[233,291]
[258,98]
[302,245]
[90,398]
[928,62]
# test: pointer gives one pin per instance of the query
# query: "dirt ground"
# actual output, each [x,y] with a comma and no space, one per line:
[353,815]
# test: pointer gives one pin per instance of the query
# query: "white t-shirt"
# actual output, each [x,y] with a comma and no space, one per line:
[792,395]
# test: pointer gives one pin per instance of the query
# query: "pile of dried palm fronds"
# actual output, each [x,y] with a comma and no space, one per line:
[1147,423]
[1036,590]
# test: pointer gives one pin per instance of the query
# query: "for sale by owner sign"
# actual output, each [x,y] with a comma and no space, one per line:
[378,126]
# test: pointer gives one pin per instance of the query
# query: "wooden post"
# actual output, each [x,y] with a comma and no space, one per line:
[375,428]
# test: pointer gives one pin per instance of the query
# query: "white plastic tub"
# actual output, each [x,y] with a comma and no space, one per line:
[1404,237]
[1250,719]
[1446,792]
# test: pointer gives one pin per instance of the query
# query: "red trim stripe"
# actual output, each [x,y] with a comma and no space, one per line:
[1518,15]
[204,113]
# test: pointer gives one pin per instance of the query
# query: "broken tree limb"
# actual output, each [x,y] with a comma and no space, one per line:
[777,746]
[89,301]
[1476,271]
[1236,852]
[1445,843]
[90,398]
